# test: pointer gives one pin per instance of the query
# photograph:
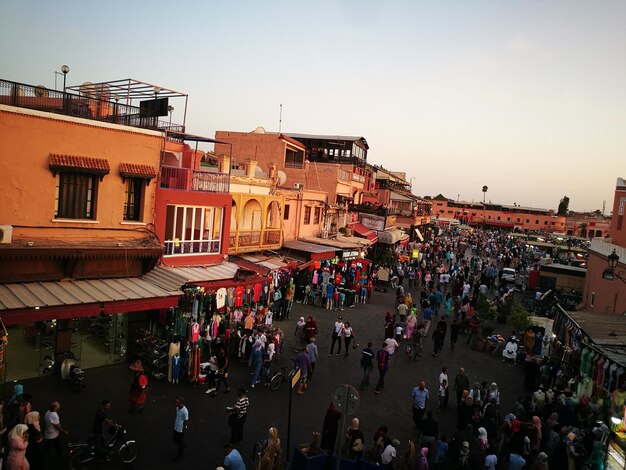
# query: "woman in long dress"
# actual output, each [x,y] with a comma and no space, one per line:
[18,442]
[270,458]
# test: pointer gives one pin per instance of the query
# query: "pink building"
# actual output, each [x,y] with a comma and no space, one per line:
[605,289]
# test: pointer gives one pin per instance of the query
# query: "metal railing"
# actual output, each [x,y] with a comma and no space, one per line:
[187,179]
[78,105]
[244,240]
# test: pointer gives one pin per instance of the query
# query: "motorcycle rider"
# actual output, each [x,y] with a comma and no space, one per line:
[100,422]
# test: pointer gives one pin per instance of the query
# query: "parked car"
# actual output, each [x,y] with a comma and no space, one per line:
[508,275]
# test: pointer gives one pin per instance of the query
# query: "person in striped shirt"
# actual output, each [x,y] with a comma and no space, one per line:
[237,416]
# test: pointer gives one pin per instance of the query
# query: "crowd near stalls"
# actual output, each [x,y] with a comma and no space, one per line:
[441,292]
[559,420]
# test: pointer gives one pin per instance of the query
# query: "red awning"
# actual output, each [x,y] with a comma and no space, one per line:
[364,232]
[79,164]
[31,315]
[137,170]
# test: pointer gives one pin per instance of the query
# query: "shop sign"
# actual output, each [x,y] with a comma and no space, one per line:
[350,254]
[373,222]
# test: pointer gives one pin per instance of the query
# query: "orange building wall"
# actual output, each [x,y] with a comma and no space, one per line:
[518,219]
[29,186]
[294,227]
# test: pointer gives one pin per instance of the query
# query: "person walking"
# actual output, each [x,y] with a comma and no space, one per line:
[382,359]
[180,426]
[454,333]
[420,397]
[443,377]
[430,434]
[303,363]
[233,459]
[312,352]
[367,363]
[438,339]
[257,359]
[237,418]
[348,336]
[52,431]
[18,442]
[461,383]
[336,337]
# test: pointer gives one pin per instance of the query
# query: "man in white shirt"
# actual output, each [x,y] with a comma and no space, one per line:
[52,430]
[392,344]
[337,334]
[389,454]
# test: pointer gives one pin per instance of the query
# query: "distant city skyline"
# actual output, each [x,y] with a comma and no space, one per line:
[527,98]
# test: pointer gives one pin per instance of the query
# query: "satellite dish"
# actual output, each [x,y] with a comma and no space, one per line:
[259,130]
[88,89]
[41,91]
[103,91]
[282,177]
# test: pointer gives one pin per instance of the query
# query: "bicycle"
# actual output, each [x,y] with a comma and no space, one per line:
[82,454]
[274,380]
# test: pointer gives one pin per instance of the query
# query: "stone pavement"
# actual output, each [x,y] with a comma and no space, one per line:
[208,429]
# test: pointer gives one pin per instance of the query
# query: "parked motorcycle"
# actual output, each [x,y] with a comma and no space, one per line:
[71,372]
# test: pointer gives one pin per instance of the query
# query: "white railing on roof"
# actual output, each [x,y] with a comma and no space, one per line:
[605,248]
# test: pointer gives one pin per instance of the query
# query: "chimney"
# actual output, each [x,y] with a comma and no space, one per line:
[252,164]
[224,163]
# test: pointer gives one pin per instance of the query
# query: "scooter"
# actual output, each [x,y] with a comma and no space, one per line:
[71,371]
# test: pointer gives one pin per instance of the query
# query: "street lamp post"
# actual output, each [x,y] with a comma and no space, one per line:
[65,69]
[609,273]
[156,91]
[170,108]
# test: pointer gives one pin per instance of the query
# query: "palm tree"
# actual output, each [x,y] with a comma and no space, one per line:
[485,188]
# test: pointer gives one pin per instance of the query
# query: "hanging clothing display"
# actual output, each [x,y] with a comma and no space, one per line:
[174,350]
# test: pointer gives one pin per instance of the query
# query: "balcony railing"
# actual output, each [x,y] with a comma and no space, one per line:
[186,179]
[71,104]
[252,240]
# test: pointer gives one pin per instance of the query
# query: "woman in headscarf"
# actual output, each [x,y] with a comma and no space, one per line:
[421,463]
[330,428]
[310,329]
[506,431]
[13,406]
[257,359]
[270,458]
[355,440]
[34,451]
[411,323]
[493,393]
[18,442]
[483,441]
[299,331]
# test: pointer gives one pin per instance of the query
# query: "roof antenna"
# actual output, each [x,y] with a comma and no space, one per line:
[280,119]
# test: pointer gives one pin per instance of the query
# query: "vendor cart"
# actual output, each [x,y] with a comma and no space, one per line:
[382,280]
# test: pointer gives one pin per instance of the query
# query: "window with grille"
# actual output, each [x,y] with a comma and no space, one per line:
[193,230]
[76,196]
[133,198]
[316,215]
[307,215]
[286,214]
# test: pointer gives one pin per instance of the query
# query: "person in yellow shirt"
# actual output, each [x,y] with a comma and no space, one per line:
[248,324]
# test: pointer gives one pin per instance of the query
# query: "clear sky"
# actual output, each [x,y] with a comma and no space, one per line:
[526,97]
